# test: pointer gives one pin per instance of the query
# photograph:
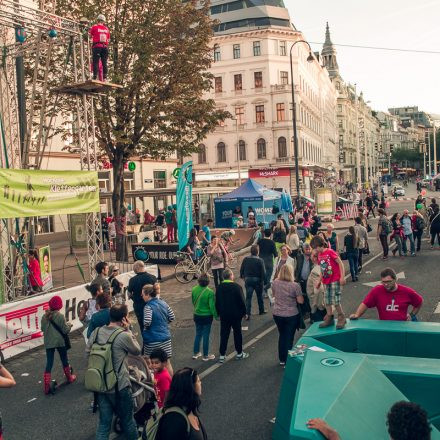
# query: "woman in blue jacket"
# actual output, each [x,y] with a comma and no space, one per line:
[157,317]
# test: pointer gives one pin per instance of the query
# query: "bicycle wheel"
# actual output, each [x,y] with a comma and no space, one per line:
[206,268]
[232,260]
[183,272]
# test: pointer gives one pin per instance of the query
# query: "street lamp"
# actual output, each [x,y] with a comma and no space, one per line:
[310,59]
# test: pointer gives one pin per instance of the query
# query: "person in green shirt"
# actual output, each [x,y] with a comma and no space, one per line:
[169,223]
[203,299]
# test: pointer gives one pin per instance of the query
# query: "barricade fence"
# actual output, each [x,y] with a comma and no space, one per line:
[20,320]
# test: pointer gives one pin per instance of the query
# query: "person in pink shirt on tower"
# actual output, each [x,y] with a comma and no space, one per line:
[100,36]
[391,300]
[332,277]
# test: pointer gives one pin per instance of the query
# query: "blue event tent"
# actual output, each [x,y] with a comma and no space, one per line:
[250,193]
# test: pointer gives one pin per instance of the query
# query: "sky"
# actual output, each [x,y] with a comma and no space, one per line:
[387,78]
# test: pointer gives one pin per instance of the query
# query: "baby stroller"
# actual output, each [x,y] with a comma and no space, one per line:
[142,388]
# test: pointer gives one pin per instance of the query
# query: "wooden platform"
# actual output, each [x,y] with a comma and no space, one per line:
[89,86]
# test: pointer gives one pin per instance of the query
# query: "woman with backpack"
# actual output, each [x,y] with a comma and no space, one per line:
[383,230]
[203,300]
[157,317]
[56,330]
[181,415]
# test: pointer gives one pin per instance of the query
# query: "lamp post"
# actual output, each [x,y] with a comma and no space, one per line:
[310,59]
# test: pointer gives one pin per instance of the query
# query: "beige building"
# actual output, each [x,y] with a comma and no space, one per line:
[252,80]
[358,128]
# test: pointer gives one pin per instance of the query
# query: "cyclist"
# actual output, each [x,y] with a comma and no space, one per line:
[228,238]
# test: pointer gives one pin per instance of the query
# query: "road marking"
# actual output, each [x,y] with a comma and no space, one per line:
[234,353]
[437,309]
[261,335]
[400,276]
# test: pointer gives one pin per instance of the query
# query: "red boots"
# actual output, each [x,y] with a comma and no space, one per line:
[47,379]
[68,373]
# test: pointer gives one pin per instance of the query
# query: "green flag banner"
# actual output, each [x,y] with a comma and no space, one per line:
[184,204]
[30,193]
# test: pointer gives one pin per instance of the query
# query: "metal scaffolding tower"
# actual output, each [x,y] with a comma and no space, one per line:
[44,32]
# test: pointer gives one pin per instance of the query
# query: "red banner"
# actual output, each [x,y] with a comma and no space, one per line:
[269,172]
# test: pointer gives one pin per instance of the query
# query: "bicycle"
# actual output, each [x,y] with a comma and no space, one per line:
[186,269]
[232,257]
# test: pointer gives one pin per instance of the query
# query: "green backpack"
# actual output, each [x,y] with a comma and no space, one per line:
[100,375]
[152,426]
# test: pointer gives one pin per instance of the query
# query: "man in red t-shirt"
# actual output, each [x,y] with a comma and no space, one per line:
[332,277]
[391,300]
[100,36]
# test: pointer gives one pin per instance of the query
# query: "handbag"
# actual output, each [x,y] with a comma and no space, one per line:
[369,228]
[65,336]
[343,256]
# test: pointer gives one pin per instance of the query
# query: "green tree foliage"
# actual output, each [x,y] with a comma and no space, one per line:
[160,54]
[403,154]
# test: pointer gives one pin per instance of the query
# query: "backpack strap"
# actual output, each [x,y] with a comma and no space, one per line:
[112,337]
[180,411]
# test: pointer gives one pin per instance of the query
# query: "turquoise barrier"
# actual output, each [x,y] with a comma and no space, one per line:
[351,378]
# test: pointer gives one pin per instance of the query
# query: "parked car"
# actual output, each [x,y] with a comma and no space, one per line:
[400,191]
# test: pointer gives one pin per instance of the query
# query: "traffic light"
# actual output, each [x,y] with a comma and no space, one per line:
[391,148]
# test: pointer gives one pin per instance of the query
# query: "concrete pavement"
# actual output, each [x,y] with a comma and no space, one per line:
[239,398]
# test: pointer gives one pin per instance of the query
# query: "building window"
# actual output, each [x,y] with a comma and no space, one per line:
[160,179]
[259,114]
[284,77]
[257,48]
[239,115]
[221,152]
[283,48]
[218,84]
[238,84]
[202,153]
[236,51]
[261,148]
[339,108]
[44,225]
[258,80]
[281,112]
[341,124]
[217,54]
[242,150]
[282,147]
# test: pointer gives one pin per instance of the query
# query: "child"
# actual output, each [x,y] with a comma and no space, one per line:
[162,378]
[55,328]
[333,277]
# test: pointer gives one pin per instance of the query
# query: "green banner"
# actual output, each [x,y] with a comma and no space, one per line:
[31,193]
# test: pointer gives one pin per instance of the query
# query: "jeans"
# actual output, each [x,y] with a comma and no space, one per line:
[418,239]
[50,355]
[203,330]
[371,209]
[384,242]
[225,329]
[409,237]
[433,235]
[218,276]
[360,256]
[251,284]
[398,240]
[268,265]
[100,53]
[287,327]
[353,262]
[121,404]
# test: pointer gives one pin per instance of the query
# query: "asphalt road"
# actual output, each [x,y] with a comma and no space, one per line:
[239,397]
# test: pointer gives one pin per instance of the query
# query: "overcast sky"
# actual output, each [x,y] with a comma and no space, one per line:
[388,79]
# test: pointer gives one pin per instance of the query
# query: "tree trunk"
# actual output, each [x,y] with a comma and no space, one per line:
[119,210]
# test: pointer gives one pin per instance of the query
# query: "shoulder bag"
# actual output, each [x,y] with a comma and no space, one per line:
[65,336]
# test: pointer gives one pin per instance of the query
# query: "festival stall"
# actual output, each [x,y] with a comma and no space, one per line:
[266,203]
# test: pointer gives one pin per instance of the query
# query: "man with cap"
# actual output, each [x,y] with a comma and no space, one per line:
[100,36]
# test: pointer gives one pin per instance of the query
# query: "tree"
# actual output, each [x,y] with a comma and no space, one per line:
[160,54]
[412,157]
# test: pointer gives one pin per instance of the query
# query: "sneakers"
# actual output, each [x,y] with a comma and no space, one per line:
[241,356]
[221,359]
[210,357]
[328,321]
[341,322]
[196,355]
[263,312]
[282,364]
